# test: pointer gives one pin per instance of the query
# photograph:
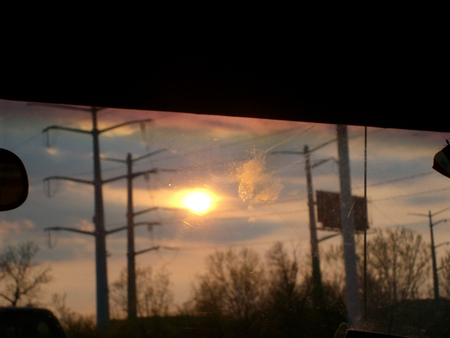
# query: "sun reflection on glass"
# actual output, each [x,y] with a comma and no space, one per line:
[198,201]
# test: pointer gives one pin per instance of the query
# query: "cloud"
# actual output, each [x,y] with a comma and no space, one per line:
[10,229]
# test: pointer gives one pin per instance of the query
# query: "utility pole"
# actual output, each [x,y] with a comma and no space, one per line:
[348,228]
[99,218]
[316,273]
[131,253]
[433,248]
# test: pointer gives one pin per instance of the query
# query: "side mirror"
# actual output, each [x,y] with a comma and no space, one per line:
[441,161]
[13,181]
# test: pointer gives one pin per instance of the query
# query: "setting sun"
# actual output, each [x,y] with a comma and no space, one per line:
[198,201]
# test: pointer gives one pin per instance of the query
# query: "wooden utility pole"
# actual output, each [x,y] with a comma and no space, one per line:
[315,258]
[431,224]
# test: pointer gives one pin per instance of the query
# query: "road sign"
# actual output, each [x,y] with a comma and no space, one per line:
[329,211]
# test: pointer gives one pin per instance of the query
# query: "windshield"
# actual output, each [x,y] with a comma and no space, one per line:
[217,225]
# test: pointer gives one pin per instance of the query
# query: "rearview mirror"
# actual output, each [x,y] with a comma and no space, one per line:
[13,181]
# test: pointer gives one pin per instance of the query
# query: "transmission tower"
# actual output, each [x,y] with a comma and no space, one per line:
[131,253]
[99,232]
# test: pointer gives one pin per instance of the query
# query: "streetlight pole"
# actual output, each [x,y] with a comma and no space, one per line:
[348,228]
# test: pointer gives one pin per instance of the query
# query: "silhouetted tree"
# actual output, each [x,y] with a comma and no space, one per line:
[283,272]
[397,265]
[21,278]
[248,297]
[75,324]
[154,297]
[234,284]
[444,275]
[284,298]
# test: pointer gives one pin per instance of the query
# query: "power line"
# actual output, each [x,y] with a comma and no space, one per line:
[399,179]
[25,142]
[227,145]
[411,194]
[217,164]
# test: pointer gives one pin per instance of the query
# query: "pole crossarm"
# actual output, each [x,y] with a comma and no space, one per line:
[327,237]
[153,209]
[170,248]
[140,173]
[147,223]
[302,152]
[113,159]
[134,175]
[148,155]
[76,130]
[150,171]
[115,230]
[155,248]
[87,109]
[67,179]
[145,210]
[430,213]
[66,129]
[440,221]
[124,124]
[320,162]
[146,250]
[323,145]
[135,224]
[438,212]
[135,159]
[287,152]
[441,244]
[92,233]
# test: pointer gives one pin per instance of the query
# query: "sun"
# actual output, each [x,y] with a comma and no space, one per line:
[198,201]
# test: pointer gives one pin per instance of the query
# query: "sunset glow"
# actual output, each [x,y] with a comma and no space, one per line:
[202,185]
[198,201]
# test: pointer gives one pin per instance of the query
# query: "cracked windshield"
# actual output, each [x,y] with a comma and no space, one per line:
[185,225]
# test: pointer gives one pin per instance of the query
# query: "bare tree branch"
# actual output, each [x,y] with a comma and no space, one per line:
[21,278]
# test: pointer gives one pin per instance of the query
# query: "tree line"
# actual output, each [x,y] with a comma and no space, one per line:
[244,294]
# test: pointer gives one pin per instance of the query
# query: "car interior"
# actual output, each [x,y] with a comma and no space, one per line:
[376,123]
